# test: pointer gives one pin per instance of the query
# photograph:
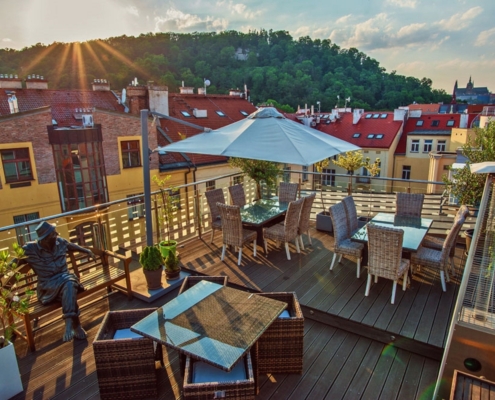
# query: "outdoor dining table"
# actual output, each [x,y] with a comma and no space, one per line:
[211,322]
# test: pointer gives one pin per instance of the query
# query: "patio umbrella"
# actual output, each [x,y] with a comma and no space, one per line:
[265,135]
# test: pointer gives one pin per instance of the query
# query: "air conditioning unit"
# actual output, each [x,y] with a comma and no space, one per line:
[87,120]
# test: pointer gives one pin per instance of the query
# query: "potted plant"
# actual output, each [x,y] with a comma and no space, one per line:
[152,262]
[172,266]
[11,305]
[166,215]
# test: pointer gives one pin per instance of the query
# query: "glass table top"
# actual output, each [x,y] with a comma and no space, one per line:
[211,322]
[415,229]
[261,211]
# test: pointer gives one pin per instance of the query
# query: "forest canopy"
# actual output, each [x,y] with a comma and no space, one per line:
[272,65]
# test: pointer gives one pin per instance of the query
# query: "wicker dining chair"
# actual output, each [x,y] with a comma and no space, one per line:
[385,257]
[232,231]
[438,258]
[237,196]
[351,214]
[287,192]
[409,204]
[213,197]
[436,243]
[304,218]
[286,231]
[342,242]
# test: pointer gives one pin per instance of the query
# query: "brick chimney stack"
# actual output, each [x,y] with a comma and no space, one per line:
[10,81]
[36,82]
[101,85]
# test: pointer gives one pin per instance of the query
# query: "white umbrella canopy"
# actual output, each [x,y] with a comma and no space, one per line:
[265,135]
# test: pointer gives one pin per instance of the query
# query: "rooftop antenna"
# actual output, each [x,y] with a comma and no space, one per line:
[207,83]
[346,100]
[319,106]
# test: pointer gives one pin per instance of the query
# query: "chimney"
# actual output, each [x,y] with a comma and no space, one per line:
[235,92]
[356,115]
[186,90]
[10,82]
[158,99]
[201,90]
[101,85]
[137,97]
[36,82]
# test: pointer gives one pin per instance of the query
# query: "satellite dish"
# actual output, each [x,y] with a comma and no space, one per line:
[123,97]
[207,82]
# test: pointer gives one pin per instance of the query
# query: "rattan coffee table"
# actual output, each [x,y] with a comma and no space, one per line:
[212,323]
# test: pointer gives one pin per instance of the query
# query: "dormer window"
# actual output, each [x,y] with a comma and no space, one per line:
[185,114]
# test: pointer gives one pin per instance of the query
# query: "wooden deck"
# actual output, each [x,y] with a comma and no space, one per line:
[355,346]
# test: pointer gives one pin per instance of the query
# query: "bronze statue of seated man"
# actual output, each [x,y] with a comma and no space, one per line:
[47,257]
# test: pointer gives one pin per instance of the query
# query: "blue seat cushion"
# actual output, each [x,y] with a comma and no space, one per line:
[203,373]
[126,334]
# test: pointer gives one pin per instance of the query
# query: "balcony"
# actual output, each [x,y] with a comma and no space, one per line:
[354,346]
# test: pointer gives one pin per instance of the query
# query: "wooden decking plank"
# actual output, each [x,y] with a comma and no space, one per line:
[355,286]
[364,371]
[428,379]
[341,384]
[440,325]
[359,313]
[427,317]
[378,377]
[414,315]
[396,375]
[412,377]
[328,356]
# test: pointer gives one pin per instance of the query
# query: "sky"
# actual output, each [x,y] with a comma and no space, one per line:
[441,40]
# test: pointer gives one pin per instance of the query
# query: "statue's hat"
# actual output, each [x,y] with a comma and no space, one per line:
[44,229]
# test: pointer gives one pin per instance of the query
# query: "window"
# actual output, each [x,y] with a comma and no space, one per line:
[305,173]
[135,207]
[435,122]
[419,123]
[244,113]
[238,180]
[356,135]
[328,177]
[383,116]
[80,167]
[185,114]
[368,116]
[406,172]
[450,122]
[131,154]
[441,144]
[286,176]
[415,146]
[220,113]
[371,136]
[379,136]
[17,165]
[428,145]
[376,115]
[26,233]
[210,185]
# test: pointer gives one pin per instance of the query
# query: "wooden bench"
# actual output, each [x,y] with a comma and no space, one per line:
[469,387]
[95,275]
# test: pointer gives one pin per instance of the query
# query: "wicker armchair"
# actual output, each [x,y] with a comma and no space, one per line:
[351,214]
[287,192]
[280,348]
[288,230]
[213,197]
[304,218]
[439,258]
[237,196]
[233,232]
[385,257]
[436,243]
[409,204]
[125,367]
[343,244]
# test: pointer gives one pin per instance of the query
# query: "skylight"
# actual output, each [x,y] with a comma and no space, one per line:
[371,136]
[419,123]
[368,116]
[220,113]
[450,122]
[356,135]
[244,113]
[383,116]
[376,115]
[185,114]
[379,136]
[435,122]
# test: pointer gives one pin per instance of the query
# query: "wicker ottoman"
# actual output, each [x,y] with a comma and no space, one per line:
[190,281]
[217,384]
[125,367]
[280,348]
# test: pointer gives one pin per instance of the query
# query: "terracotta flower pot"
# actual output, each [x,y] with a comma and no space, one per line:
[153,278]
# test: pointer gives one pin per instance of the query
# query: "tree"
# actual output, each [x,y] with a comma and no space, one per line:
[259,171]
[465,186]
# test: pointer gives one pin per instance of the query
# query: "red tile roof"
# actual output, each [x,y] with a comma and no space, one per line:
[63,102]
[230,106]
[425,108]
[426,128]
[379,123]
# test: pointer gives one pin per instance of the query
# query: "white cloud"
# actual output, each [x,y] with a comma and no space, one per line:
[404,3]
[410,30]
[133,10]
[344,20]
[302,31]
[6,40]
[238,9]
[175,20]
[460,20]
[483,37]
